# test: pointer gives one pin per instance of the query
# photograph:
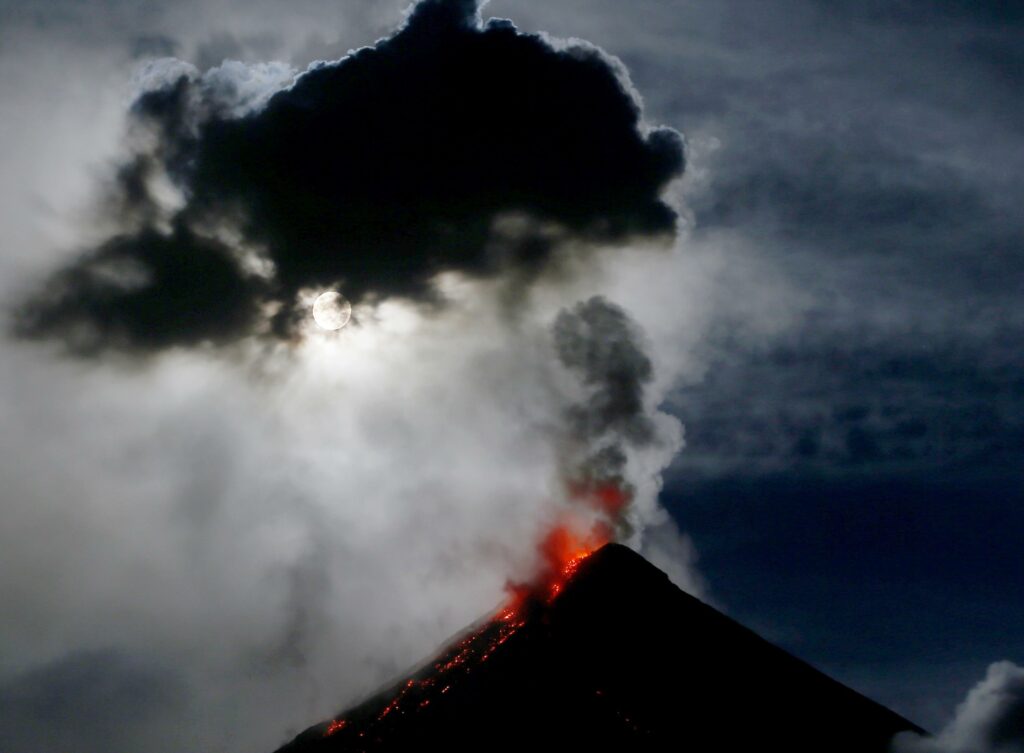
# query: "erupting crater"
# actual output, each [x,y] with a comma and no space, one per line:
[602,652]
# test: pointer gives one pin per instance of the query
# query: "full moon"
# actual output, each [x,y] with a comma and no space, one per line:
[331,311]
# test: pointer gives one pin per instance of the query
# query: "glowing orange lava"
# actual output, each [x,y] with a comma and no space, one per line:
[335,726]
[469,653]
[561,551]
[568,543]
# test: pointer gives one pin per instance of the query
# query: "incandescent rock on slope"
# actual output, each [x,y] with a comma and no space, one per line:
[620,660]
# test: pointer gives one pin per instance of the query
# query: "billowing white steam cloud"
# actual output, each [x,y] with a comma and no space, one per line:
[210,551]
[263,541]
[990,719]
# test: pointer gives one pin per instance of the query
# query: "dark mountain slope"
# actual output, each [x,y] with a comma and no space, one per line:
[620,660]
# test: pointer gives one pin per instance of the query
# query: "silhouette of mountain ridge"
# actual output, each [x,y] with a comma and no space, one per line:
[620,659]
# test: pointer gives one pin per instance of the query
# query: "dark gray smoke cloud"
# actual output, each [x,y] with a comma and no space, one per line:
[259,541]
[597,342]
[108,298]
[373,173]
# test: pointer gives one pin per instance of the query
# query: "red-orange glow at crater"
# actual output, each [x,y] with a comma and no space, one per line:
[560,551]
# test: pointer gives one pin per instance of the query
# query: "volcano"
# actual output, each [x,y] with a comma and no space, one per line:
[617,658]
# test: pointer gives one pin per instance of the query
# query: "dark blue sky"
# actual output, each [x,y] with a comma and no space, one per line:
[905,585]
[852,477]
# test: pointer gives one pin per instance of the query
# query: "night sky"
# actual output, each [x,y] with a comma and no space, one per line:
[852,476]
[790,229]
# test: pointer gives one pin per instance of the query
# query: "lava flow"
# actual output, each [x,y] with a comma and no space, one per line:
[418,693]
[560,551]
[570,542]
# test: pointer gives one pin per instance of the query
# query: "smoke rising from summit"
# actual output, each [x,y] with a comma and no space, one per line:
[266,535]
[221,514]
[597,342]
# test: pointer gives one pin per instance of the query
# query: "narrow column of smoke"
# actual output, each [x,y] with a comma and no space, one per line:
[597,341]
[600,346]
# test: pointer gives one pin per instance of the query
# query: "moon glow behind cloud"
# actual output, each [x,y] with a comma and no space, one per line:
[331,311]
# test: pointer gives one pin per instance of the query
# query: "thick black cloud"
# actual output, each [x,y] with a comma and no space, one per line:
[144,292]
[392,165]
[376,172]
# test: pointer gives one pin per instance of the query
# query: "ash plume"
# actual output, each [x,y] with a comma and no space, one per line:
[372,173]
[286,532]
[598,343]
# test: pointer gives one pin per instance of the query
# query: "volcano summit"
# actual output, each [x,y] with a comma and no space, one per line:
[618,659]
